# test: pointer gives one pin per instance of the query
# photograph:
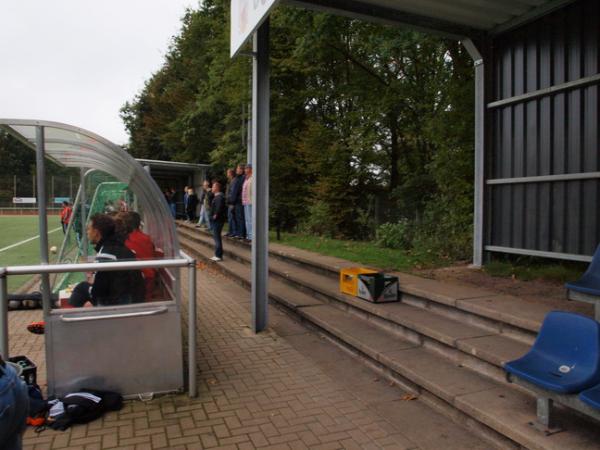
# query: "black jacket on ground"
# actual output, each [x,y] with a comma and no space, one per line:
[118,287]
[219,208]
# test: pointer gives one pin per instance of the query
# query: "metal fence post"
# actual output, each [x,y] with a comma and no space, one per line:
[192,389]
[3,314]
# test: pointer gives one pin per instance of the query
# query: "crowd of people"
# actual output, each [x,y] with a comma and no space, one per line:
[214,206]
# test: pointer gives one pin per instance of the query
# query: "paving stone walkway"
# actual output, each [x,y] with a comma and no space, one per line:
[283,389]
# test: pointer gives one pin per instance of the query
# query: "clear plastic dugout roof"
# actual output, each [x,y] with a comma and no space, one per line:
[70,146]
[131,344]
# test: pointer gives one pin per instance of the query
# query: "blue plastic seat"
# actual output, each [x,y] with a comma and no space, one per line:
[591,397]
[565,357]
[589,283]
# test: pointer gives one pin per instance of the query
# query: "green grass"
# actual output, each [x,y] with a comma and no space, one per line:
[366,253]
[14,229]
[527,268]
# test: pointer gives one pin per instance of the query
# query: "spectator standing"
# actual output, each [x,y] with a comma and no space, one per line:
[235,199]
[171,196]
[185,201]
[65,216]
[14,400]
[230,207]
[247,201]
[219,216]
[192,203]
[167,196]
[206,197]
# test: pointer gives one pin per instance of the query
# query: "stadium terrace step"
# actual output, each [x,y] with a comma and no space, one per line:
[510,315]
[449,336]
[445,361]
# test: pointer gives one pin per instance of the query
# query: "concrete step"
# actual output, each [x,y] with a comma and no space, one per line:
[240,272]
[464,343]
[488,408]
[521,318]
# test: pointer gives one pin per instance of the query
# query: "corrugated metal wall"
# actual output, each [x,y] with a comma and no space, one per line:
[550,135]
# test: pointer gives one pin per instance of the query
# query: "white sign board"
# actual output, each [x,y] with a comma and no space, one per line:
[246,16]
[24,200]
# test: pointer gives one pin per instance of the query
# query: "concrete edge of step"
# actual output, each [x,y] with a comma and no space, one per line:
[525,326]
[223,268]
[372,309]
[285,255]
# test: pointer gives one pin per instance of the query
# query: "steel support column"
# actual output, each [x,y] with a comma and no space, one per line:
[544,411]
[82,215]
[40,164]
[192,386]
[479,178]
[260,178]
[3,314]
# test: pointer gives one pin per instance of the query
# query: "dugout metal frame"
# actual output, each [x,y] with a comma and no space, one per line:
[158,366]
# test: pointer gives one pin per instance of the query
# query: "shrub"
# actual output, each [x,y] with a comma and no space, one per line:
[395,235]
[318,220]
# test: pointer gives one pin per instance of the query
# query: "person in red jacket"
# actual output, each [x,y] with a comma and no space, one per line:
[65,215]
[139,243]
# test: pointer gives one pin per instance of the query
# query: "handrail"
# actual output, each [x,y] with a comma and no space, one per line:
[192,329]
[183,261]
[89,267]
[114,316]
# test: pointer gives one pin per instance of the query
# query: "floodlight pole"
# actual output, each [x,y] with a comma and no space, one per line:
[260,177]
[40,164]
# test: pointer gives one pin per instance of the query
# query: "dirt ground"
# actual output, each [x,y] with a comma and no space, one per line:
[534,289]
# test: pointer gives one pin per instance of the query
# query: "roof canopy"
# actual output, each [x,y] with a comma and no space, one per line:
[75,147]
[172,165]
[452,18]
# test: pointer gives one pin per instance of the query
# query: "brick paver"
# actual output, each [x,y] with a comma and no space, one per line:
[286,388]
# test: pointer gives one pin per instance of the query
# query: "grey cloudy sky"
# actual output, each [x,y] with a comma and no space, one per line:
[78,61]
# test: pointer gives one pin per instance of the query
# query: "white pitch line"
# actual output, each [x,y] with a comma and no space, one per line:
[27,240]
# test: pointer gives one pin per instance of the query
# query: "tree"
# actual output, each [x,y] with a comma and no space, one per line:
[358,111]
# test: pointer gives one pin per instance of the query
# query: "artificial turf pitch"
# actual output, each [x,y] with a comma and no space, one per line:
[15,229]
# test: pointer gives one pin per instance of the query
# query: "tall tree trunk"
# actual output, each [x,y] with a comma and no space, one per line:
[394,153]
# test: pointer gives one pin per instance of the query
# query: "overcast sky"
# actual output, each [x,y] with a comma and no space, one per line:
[78,61]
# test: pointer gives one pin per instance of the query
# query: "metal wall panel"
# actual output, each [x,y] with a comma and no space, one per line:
[548,135]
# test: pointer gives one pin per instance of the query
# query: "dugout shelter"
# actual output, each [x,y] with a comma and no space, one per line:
[177,175]
[135,348]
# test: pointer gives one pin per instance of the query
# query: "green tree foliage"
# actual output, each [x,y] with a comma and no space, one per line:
[18,169]
[368,123]
[16,158]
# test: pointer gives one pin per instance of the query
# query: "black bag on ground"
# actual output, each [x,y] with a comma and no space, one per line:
[84,406]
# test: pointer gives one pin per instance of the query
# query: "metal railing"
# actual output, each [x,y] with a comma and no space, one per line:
[184,261]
